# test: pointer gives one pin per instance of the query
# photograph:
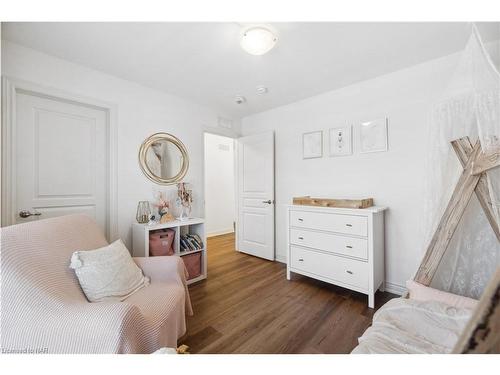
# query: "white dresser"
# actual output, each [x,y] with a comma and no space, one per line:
[341,246]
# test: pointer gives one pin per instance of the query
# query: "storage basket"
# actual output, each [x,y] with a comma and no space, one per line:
[193,264]
[161,242]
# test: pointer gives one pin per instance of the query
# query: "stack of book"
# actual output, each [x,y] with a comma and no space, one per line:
[191,242]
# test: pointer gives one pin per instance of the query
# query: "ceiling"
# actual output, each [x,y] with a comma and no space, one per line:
[204,63]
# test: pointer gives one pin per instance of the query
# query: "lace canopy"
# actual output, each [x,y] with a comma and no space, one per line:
[470,108]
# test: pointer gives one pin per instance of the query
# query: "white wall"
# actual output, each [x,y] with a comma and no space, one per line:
[393,178]
[219,184]
[141,112]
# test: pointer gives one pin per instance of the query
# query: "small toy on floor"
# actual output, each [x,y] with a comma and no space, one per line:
[183,349]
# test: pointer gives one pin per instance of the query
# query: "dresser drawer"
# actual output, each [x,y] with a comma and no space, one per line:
[333,243]
[348,271]
[348,224]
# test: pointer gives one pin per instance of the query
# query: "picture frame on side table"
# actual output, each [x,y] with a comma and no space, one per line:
[312,145]
[341,141]
[373,136]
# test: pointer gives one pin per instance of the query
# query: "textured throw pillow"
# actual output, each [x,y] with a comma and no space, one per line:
[108,273]
[421,292]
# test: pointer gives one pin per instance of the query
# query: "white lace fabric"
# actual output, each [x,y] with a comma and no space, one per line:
[469,107]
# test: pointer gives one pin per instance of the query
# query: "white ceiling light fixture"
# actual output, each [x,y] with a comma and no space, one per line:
[258,40]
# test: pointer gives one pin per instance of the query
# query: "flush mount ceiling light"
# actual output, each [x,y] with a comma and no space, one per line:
[258,40]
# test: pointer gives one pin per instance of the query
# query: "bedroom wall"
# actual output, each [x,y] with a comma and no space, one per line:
[393,178]
[141,112]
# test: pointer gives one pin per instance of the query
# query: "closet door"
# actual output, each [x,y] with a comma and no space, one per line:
[255,231]
[61,159]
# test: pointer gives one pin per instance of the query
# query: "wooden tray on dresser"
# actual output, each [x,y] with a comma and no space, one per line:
[340,203]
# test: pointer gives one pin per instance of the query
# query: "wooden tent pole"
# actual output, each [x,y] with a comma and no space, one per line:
[473,179]
[449,222]
[463,149]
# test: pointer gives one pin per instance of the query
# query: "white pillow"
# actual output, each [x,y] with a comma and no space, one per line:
[421,292]
[108,273]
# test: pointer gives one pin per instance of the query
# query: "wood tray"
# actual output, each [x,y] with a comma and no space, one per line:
[341,203]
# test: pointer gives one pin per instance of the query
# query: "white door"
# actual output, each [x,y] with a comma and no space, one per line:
[60,160]
[256,195]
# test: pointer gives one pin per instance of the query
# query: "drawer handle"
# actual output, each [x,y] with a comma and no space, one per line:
[300,219]
[349,246]
[301,260]
[348,225]
[301,238]
[349,272]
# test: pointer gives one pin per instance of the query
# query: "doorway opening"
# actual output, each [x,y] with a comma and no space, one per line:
[220,178]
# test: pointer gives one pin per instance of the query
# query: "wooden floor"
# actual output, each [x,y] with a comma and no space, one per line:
[247,306]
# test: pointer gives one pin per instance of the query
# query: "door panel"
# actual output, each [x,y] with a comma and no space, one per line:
[256,195]
[56,158]
[60,158]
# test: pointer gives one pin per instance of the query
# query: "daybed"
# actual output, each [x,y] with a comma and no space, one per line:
[44,309]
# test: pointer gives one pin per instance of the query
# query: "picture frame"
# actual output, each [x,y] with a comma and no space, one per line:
[373,136]
[341,141]
[312,145]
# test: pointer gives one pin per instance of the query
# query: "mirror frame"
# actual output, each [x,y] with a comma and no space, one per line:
[163,137]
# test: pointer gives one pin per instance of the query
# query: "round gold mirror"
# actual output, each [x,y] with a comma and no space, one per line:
[163,158]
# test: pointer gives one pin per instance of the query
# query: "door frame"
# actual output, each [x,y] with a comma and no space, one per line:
[10,87]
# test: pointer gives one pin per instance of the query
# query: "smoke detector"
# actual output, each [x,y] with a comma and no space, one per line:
[239,99]
[261,90]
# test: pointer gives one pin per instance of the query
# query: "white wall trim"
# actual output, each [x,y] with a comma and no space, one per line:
[395,288]
[220,232]
[280,258]
[10,86]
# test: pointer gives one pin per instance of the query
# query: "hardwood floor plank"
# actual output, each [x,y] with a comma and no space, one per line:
[247,306]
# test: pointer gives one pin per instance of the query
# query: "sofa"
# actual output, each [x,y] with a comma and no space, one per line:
[44,310]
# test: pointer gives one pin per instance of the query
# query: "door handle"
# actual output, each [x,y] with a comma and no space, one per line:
[26,213]
[268,201]
[349,272]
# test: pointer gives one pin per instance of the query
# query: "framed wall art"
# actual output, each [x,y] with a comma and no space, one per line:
[341,141]
[373,136]
[312,145]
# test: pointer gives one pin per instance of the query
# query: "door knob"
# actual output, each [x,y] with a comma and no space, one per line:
[268,201]
[26,213]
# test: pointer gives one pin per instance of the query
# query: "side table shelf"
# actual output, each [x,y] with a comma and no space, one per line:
[140,240]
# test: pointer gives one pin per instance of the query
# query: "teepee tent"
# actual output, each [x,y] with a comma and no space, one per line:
[463,227]
[463,194]
[463,188]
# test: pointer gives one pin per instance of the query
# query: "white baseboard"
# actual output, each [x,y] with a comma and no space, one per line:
[395,288]
[220,232]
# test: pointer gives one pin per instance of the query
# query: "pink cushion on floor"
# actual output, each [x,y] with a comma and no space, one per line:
[421,292]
